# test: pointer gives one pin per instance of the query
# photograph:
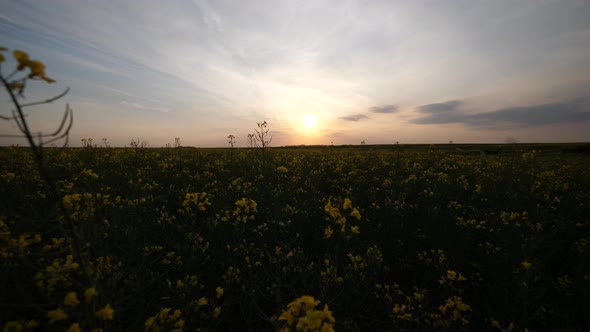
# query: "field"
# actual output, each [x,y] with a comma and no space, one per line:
[366,238]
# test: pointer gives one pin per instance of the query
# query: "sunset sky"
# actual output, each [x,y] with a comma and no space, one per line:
[377,71]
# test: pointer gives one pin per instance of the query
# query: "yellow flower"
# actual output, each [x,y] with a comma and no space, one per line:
[303,316]
[355,213]
[496,324]
[216,312]
[328,232]
[164,313]
[219,292]
[89,294]
[22,58]
[282,169]
[202,301]
[149,322]
[526,265]
[71,300]
[20,326]
[55,315]
[347,204]
[451,275]
[355,229]
[327,328]
[288,316]
[179,323]
[176,314]
[75,327]
[397,309]
[68,202]
[105,313]
[37,67]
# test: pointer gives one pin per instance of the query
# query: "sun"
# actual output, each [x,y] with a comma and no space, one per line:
[309,120]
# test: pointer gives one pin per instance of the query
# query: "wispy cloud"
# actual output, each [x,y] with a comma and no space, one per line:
[207,60]
[385,109]
[354,117]
[144,107]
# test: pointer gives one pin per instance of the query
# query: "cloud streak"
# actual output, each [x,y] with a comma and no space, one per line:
[385,109]
[445,107]
[354,117]
[572,111]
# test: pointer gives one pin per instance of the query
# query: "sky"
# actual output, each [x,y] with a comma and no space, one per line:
[319,72]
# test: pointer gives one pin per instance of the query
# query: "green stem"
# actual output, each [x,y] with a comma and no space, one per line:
[36,150]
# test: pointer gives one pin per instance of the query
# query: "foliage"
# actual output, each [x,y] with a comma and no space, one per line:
[388,239]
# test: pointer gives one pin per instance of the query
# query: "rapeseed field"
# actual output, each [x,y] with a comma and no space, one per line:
[323,239]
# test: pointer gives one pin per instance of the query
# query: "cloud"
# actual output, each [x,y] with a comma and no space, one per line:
[439,113]
[448,106]
[385,109]
[577,110]
[354,117]
[144,107]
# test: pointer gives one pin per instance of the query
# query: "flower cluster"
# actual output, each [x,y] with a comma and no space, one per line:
[338,215]
[302,315]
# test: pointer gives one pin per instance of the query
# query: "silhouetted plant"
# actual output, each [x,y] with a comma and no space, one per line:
[231,140]
[105,143]
[251,142]
[15,85]
[137,144]
[262,139]
[87,143]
